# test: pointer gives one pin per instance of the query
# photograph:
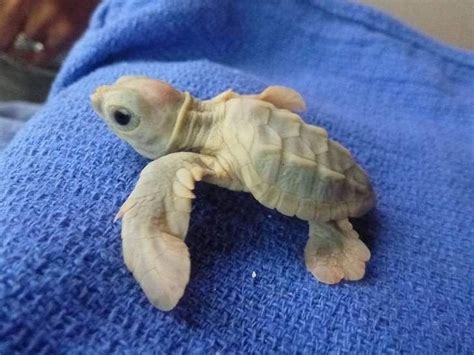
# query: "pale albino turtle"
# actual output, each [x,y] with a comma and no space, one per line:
[253,143]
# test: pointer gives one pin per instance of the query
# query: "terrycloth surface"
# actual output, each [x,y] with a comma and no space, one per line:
[404,105]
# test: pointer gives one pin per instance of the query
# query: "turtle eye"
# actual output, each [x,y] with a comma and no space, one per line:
[122,117]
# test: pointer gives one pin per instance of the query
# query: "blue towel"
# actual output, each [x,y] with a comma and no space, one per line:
[402,103]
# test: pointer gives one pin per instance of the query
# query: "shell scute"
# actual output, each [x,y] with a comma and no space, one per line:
[267,163]
[297,175]
[306,209]
[261,115]
[297,146]
[266,152]
[271,196]
[267,136]
[316,138]
[286,123]
[245,133]
[336,157]
[288,204]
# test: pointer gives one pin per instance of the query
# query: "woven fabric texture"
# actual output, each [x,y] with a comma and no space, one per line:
[402,103]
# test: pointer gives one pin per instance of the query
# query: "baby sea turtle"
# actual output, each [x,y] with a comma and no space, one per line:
[251,143]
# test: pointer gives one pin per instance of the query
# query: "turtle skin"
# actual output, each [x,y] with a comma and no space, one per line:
[253,143]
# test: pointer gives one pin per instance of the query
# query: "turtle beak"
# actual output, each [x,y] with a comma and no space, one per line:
[96,98]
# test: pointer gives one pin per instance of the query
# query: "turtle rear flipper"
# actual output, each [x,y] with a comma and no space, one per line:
[283,97]
[335,252]
[279,96]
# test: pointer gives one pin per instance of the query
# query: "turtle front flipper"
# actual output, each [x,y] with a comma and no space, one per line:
[155,222]
[335,252]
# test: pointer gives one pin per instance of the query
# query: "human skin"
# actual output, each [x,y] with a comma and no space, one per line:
[55,23]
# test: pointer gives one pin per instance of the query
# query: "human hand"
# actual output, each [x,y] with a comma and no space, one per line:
[54,23]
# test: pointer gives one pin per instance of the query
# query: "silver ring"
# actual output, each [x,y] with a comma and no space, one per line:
[23,43]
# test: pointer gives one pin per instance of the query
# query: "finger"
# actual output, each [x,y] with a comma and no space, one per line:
[34,26]
[12,18]
[59,36]
[40,19]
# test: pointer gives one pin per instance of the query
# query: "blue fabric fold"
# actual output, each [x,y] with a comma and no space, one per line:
[402,103]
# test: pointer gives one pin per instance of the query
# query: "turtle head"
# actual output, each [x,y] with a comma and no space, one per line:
[141,111]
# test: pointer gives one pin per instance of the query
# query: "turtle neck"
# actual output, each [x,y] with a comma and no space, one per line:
[195,124]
